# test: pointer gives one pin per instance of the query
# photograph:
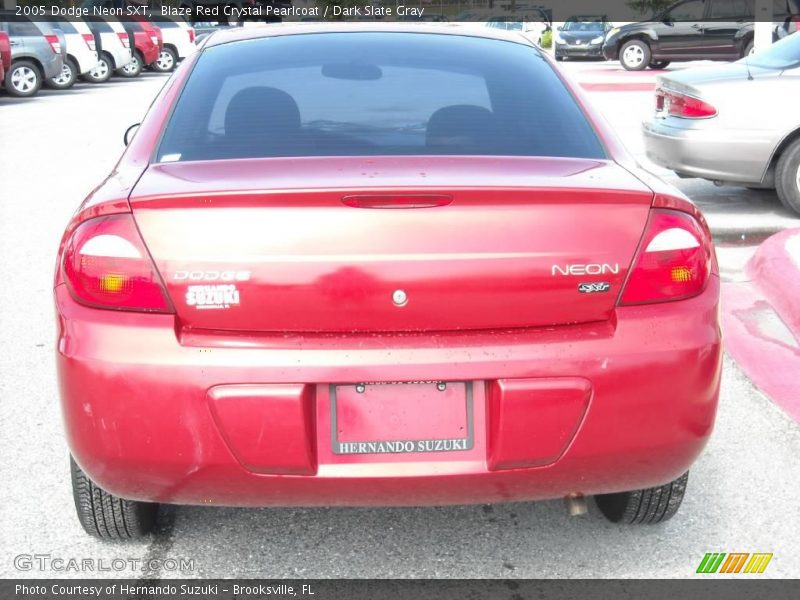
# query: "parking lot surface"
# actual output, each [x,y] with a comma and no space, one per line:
[742,492]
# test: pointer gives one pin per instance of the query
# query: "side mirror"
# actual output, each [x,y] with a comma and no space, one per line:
[129,133]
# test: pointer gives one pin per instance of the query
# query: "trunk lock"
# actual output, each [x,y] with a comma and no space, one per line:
[399,297]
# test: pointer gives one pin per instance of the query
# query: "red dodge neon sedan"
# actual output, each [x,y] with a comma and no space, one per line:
[369,264]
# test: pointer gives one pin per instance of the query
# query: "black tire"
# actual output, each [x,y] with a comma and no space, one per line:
[23,79]
[67,78]
[166,62]
[102,72]
[787,177]
[659,64]
[635,55]
[652,505]
[133,68]
[106,516]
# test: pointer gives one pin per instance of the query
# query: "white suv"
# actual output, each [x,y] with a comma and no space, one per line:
[178,44]
[114,52]
[81,53]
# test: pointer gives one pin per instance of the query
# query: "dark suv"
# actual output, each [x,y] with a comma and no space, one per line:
[693,30]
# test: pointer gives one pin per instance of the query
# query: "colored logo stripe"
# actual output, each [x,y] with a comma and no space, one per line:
[711,562]
[714,562]
[758,562]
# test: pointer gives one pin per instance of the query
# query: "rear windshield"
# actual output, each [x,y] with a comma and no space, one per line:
[781,55]
[357,94]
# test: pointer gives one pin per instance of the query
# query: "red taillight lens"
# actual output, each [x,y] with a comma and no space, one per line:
[123,37]
[89,39]
[107,266]
[684,106]
[191,35]
[54,43]
[674,260]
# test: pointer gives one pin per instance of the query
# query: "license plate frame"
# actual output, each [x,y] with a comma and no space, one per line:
[412,446]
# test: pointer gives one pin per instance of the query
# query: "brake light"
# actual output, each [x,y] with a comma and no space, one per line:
[54,43]
[107,266]
[89,39]
[674,260]
[683,105]
[123,37]
[191,35]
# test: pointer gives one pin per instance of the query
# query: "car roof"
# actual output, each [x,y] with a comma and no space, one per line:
[239,34]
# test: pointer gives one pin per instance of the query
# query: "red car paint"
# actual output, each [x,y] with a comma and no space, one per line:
[568,394]
[5,54]
[144,40]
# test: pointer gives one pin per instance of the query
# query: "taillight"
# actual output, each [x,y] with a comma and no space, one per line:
[123,37]
[89,39]
[54,43]
[683,105]
[674,260]
[107,266]
[191,35]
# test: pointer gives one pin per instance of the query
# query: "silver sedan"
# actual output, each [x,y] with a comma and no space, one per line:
[735,124]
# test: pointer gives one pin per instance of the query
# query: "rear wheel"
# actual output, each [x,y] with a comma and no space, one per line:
[659,64]
[634,55]
[787,177]
[133,68]
[651,505]
[65,79]
[167,59]
[23,79]
[106,516]
[102,71]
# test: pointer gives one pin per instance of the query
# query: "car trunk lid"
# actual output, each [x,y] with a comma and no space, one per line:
[391,244]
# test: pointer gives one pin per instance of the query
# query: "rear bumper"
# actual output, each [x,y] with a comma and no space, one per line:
[624,406]
[716,153]
[52,67]
[149,53]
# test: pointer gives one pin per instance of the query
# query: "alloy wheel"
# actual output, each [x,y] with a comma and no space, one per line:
[65,76]
[797,178]
[101,70]
[23,79]
[132,67]
[165,61]
[633,56]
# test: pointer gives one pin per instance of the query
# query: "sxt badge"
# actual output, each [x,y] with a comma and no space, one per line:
[593,288]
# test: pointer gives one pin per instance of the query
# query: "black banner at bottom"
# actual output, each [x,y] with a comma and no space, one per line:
[395,589]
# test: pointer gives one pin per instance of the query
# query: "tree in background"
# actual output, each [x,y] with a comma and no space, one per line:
[649,7]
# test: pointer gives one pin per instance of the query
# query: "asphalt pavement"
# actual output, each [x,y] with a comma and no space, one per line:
[55,148]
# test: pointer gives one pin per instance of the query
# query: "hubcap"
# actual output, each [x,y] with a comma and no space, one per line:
[633,55]
[100,70]
[797,179]
[164,61]
[132,66]
[64,77]
[23,79]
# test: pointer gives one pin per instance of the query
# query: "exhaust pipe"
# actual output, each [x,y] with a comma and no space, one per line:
[576,505]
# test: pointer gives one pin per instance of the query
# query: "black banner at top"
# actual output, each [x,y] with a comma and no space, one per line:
[422,11]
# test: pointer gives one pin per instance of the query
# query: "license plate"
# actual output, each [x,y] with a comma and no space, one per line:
[401,418]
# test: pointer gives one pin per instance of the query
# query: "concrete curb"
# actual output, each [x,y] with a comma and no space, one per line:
[775,270]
